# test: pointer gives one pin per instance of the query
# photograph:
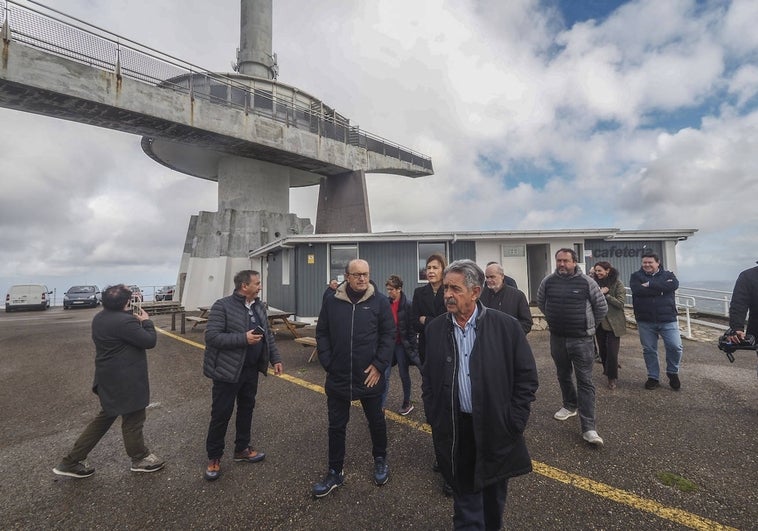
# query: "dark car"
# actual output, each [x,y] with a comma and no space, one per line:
[87,296]
[166,293]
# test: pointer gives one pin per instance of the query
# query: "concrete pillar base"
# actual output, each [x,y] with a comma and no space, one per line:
[343,204]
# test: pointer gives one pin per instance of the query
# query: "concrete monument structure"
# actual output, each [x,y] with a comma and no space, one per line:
[255,136]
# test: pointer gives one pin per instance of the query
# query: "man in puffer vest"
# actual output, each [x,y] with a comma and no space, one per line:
[573,306]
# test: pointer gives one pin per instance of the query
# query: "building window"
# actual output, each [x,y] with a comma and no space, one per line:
[425,250]
[579,250]
[339,257]
[286,267]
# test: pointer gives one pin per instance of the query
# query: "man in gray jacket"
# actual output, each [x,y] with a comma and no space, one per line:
[238,345]
[573,306]
[121,382]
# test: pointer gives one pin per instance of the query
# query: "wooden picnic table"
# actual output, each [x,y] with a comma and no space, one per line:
[279,316]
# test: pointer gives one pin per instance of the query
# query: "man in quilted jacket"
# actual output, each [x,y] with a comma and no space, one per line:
[238,345]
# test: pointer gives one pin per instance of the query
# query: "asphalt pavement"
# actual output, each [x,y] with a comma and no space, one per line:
[706,434]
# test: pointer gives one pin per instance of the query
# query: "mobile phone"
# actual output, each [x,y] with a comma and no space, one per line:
[259,331]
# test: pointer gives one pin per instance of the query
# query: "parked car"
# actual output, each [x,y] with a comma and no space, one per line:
[166,293]
[136,293]
[81,296]
[27,297]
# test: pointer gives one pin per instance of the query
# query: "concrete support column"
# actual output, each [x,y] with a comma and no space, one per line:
[343,204]
[251,185]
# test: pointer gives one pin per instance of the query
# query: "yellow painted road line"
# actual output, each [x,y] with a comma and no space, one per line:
[627,498]
[597,488]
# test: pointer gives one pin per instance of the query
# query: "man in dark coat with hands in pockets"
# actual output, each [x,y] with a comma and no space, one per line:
[121,382]
[355,337]
[478,384]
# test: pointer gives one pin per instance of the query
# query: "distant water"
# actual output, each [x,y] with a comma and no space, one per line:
[711,301]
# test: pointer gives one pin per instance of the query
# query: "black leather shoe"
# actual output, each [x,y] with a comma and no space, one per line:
[331,481]
[381,470]
[674,381]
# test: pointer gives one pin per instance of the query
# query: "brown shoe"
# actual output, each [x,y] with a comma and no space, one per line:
[213,471]
[249,455]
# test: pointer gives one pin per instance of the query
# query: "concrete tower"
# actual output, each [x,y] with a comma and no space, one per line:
[253,135]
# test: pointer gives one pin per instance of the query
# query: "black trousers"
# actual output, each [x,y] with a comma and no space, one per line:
[475,510]
[608,346]
[339,415]
[224,396]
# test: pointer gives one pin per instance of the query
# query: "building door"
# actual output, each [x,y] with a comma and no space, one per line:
[538,266]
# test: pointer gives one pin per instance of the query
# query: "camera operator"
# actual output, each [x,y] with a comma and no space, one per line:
[744,301]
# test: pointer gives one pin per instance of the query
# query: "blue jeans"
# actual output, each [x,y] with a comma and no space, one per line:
[576,355]
[672,340]
[403,364]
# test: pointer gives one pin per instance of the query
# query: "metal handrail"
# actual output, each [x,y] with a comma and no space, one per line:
[56,32]
[683,302]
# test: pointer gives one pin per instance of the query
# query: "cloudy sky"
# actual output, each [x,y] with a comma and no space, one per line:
[537,115]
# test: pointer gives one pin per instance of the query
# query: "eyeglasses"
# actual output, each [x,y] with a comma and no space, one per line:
[358,275]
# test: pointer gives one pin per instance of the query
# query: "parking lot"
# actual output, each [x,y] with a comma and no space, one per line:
[707,434]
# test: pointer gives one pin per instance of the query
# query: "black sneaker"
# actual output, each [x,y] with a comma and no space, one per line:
[381,470]
[78,470]
[674,381]
[331,481]
[652,383]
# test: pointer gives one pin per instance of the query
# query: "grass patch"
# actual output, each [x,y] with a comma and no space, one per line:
[678,482]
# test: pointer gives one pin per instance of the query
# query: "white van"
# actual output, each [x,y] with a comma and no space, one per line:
[27,297]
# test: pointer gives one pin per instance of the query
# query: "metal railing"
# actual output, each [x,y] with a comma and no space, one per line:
[55,32]
[688,303]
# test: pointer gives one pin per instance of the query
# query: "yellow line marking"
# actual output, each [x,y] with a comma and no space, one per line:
[627,498]
[597,488]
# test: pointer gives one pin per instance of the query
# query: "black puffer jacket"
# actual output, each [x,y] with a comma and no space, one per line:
[226,341]
[350,337]
[655,303]
[503,385]
[573,304]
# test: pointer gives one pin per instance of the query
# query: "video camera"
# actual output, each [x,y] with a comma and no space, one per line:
[728,346]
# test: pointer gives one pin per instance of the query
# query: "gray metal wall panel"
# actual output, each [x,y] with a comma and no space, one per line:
[391,258]
[310,279]
[462,249]
[625,256]
[277,294]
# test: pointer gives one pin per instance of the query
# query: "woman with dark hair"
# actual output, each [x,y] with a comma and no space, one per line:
[405,351]
[429,300]
[613,325]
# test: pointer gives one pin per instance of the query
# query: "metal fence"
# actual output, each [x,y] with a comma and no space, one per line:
[47,29]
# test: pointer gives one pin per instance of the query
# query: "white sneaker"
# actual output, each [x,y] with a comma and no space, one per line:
[592,437]
[563,414]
